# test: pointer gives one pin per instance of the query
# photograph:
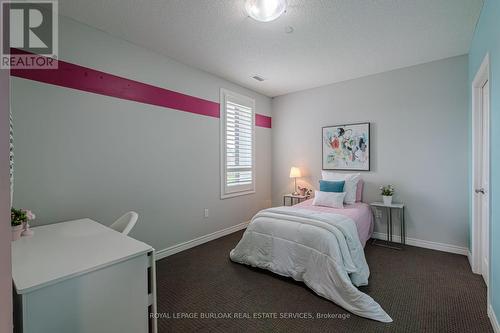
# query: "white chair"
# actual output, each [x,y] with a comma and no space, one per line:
[125,223]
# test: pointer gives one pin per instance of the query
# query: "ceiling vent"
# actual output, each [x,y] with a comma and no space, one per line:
[258,78]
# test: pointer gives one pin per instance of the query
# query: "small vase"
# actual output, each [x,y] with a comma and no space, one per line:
[387,200]
[16,232]
[27,232]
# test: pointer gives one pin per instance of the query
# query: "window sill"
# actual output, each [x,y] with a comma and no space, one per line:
[236,194]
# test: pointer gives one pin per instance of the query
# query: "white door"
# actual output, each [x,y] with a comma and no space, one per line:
[483,188]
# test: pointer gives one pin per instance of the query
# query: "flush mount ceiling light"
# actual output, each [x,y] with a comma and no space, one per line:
[265,10]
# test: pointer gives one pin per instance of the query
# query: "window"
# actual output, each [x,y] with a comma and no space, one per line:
[237,144]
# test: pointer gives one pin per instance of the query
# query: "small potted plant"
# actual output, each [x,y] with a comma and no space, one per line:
[387,192]
[19,221]
[304,191]
[17,217]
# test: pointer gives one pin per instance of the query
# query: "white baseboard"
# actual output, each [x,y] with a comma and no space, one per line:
[198,241]
[493,319]
[425,244]
[469,256]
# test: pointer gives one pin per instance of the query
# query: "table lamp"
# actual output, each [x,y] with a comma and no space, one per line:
[295,173]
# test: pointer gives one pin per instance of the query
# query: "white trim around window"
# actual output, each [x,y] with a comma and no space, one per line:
[237,144]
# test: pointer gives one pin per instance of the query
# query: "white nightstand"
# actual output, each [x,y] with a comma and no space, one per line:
[389,208]
[292,197]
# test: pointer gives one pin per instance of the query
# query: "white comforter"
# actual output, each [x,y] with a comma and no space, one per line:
[321,249]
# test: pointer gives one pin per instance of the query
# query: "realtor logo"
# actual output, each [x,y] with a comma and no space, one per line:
[29,34]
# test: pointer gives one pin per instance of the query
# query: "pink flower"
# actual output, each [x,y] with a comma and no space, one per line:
[29,214]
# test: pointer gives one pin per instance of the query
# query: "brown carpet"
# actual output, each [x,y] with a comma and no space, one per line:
[422,290]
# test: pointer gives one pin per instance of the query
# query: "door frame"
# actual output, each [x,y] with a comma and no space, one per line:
[482,77]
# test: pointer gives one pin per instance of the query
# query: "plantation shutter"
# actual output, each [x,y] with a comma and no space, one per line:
[238,144]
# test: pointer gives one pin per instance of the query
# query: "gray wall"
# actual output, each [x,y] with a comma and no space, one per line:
[85,155]
[418,121]
[5,234]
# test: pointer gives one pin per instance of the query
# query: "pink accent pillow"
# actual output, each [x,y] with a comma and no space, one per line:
[359,190]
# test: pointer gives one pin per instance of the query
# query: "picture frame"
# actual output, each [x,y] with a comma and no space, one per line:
[346,147]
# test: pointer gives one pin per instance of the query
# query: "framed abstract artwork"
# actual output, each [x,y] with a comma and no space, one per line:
[346,147]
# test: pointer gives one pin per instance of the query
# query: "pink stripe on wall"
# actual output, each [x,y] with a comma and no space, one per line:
[82,78]
[73,76]
[263,121]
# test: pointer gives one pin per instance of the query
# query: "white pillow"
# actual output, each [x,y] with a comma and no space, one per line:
[329,199]
[350,186]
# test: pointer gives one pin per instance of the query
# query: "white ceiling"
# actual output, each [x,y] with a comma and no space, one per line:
[333,40]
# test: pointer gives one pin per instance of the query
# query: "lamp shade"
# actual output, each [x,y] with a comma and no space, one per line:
[295,172]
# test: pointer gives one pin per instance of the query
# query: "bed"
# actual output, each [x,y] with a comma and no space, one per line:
[321,246]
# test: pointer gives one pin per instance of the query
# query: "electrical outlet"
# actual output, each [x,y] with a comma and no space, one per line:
[205,213]
[378,215]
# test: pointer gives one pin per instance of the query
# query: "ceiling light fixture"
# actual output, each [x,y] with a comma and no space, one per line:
[265,10]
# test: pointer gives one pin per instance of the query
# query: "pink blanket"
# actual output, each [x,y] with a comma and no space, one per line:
[359,212]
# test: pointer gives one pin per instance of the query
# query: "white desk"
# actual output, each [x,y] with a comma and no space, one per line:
[83,277]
